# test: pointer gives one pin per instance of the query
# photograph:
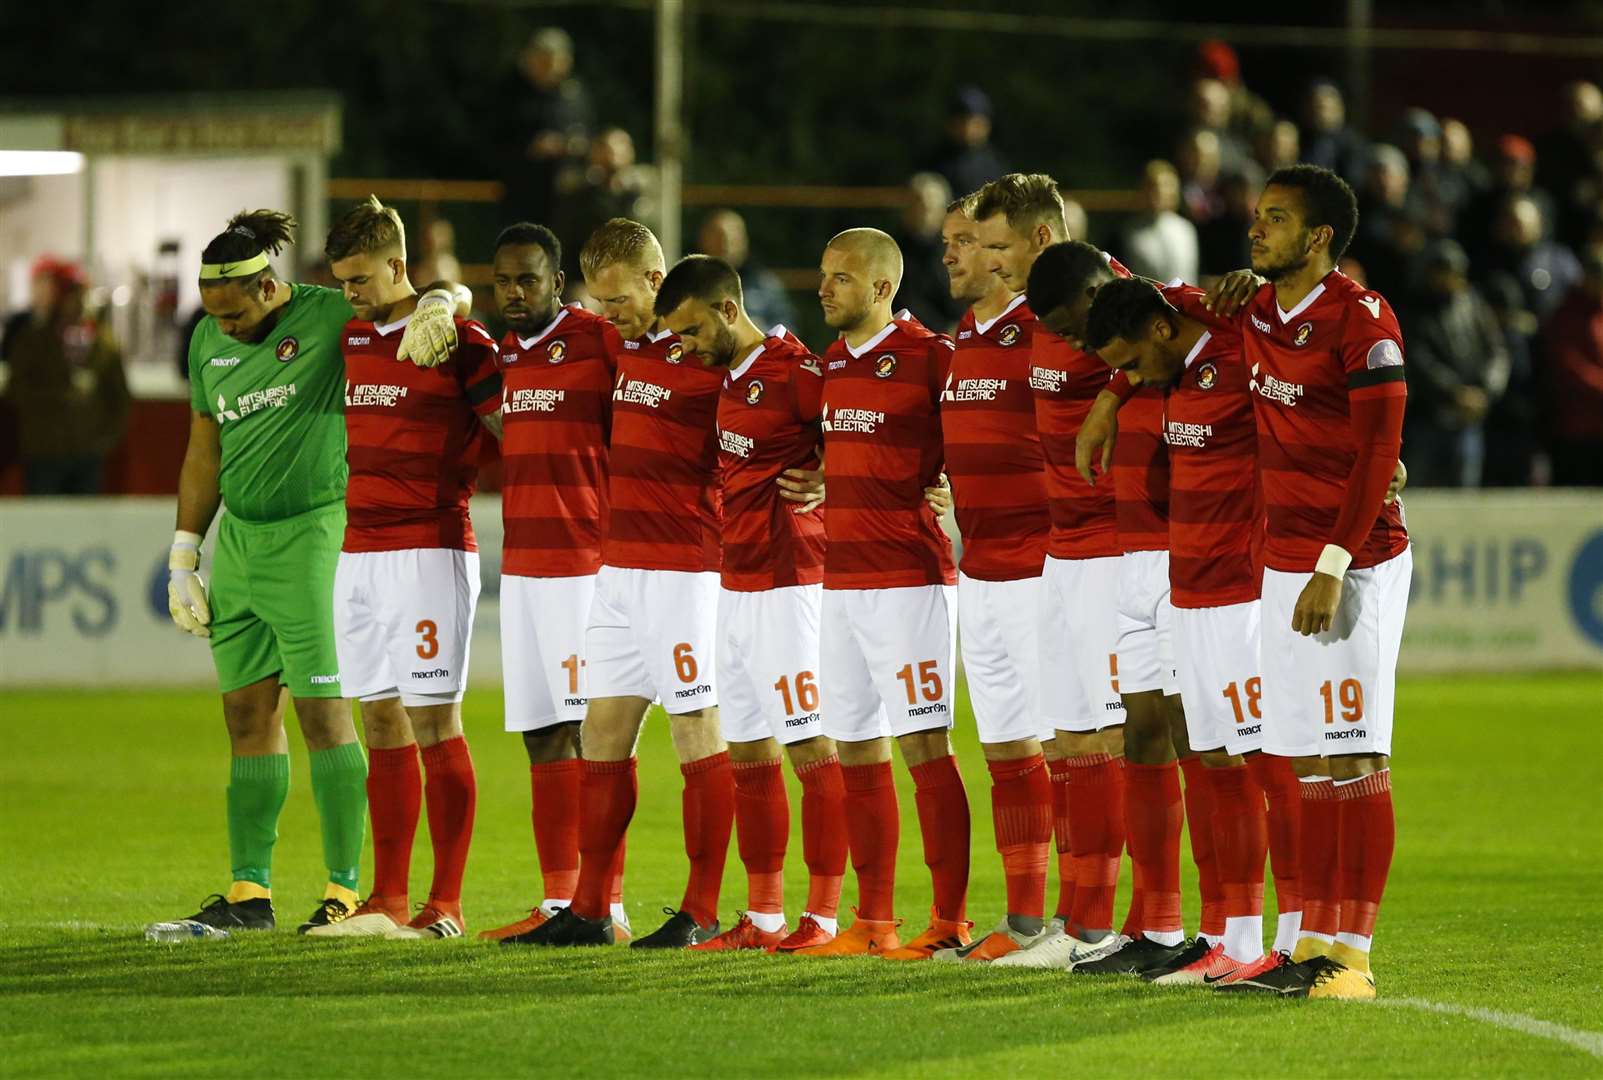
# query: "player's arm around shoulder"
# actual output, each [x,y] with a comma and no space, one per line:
[804,380]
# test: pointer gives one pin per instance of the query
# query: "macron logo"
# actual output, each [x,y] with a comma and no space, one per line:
[1260,325]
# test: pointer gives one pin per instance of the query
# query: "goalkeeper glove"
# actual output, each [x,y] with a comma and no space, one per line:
[430,336]
[186,593]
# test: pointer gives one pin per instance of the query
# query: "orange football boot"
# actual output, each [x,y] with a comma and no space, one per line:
[807,934]
[536,917]
[941,934]
[743,935]
[865,937]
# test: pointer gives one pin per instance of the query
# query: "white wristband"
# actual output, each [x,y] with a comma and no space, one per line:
[182,538]
[438,296]
[1334,561]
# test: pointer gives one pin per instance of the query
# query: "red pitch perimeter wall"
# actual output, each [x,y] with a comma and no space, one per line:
[147,460]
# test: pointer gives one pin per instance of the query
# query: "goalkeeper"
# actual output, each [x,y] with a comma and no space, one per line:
[267,441]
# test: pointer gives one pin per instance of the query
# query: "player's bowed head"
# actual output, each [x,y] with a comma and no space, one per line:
[1135,330]
[623,268]
[859,273]
[238,287]
[366,252]
[1062,281]
[701,301]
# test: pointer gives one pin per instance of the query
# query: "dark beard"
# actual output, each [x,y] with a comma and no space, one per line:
[1280,271]
[536,321]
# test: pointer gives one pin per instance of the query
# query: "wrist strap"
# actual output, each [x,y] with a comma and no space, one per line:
[182,538]
[1333,561]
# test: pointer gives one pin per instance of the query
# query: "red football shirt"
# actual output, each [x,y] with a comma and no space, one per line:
[663,494]
[993,452]
[1066,381]
[1215,498]
[1340,344]
[1141,473]
[412,438]
[768,421]
[555,414]
[882,438]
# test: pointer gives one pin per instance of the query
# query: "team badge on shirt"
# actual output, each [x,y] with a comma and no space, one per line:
[754,392]
[1304,332]
[885,366]
[1207,375]
[288,349]
[676,353]
[1009,334]
[555,351]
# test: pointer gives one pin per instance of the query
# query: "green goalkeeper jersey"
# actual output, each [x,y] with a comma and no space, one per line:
[279,406]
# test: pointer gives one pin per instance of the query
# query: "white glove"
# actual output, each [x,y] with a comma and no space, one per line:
[186,593]
[430,336]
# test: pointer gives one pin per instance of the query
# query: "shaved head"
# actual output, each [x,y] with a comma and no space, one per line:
[878,253]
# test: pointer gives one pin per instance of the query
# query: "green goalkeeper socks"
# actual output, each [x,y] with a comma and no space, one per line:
[339,784]
[257,787]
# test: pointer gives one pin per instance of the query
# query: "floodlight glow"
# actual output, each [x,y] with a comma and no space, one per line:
[40,162]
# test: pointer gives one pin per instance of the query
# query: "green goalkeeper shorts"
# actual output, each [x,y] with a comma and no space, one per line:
[272,602]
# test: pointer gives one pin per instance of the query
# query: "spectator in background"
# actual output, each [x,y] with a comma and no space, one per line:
[1511,444]
[1434,199]
[1513,173]
[1568,155]
[607,184]
[1326,138]
[549,119]
[1573,380]
[1459,166]
[1222,244]
[1545,269]
[965,156]
[1249,114]
[1159,243]
[1458,367]
[67,388]
[1075,220]
[1197,158]
[723,233]
[925,289]
[1210,111]
[1389,237]
[1277,146]
[438,261]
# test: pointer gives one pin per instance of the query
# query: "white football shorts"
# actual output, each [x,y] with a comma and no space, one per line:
[768,664]
[403,622]
[1334,693]
[885,661]
[1079,636]
[653,634]
[999,633]
[1217,661]
[543,671]
[1146,630]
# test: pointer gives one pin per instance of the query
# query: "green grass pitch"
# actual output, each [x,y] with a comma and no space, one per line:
[1489,954]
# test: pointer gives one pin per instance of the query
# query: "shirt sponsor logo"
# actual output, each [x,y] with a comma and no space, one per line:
[732,442]
[288,349]
[676,353]
[1304,332]
[1050,380]
[1009,334]
[973,389]
[1286,393]
[359,339]
[324,680]
[272,397]
[1260,325]
[885,366]
[861,421]
[539,400]
[1207,376]
[1194,436]
[639,392]
[754,391]
[387,395]
[555,351]
[1383,354]
[225,361]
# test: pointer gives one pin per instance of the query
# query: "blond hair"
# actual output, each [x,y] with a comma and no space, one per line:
[620,241]
[1026,200]
[877,250]
[366,228]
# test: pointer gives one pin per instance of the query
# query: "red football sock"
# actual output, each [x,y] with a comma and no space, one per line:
[1199,823]
[608,791]
[1096,832]
[823,833]
[452,793]
[554,802]
[709,816]
[1241,834]
[874,826]
[944,821]
[1275,776]
[1368,835]
[1321,870]
[762,821]
[1021,811]
[615,873]
[1153,812]
[394,800]
[1059,768]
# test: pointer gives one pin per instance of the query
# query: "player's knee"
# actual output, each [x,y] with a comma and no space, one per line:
[864,752]
[1013,750]
[810,751]
[922,746]
[754,752]
[560,743]
[696,735]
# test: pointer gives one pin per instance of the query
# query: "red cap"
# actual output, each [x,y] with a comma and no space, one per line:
[1517,147]
[65,273]
[1217,60]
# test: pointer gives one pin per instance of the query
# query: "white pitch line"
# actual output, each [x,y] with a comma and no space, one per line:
[1589,1041]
